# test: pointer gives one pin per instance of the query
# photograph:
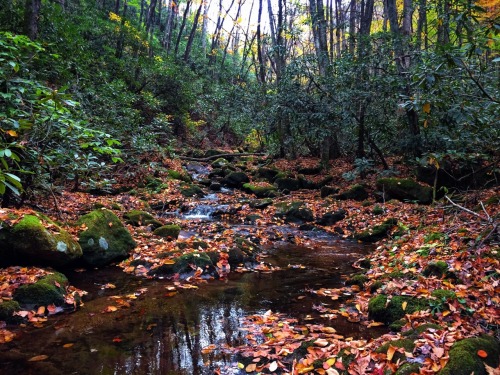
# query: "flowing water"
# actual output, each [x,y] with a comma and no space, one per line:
[162,334]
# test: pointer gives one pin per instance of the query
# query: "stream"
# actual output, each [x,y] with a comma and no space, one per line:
[160,334]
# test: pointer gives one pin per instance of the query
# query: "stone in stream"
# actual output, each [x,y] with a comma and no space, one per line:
[139,218]
[220,163]
[36,239]
[331,218]
[49,290]
[261,190]
[170,231]
[192,191]
[236,179]
[294,212]
[104,239]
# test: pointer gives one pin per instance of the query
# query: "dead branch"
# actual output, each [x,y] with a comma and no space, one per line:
[222,156]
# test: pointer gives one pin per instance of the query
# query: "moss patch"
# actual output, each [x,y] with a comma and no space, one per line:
[46,291]
[407,344]
[168,231]
[138,218]
[356,192]
[387,312]
[192,191]
[377,232]
[262,190]
[405,190]
[7,309]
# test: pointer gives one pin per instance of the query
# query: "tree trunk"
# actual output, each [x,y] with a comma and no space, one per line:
[183,24]
[32,18]
[262,73]
[192,33]
[352,27]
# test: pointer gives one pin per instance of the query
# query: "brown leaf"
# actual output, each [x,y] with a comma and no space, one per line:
[38,358]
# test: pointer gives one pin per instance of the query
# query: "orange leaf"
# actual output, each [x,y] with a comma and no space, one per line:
[38,358]
[251,367]
[482,353]
[390,352]
[117,339]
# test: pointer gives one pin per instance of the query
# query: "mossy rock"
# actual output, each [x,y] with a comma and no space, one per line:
[35,239]
[7,310]
[408,369]
[138,218]
[261,203]
[375,286]
[464,359]
[438,269]
[377,210]
[358,280]
[217,172]
[331,218]
[407,344]
[328,190]
[261,190]
[48,290]
[213,152]
[168,231]
[377,232]
[397,325]
[181,176]
[356,192]
[105,239]
[405,190]
[268,174]
[190,262]
[310,170]
[252,218]
[287,183]
[192,191]
[236,179]
[294,212]
[381,311]
[414,333]
[220,163]
[247,246]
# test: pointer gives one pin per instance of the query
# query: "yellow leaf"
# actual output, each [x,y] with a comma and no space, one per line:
[403,305]
[241,365]
[390,352]
[12,133]
[375,324]
[426,108]
[426,123]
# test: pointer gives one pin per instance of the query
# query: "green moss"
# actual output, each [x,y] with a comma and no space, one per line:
[377,232]
[464,359]
[138,218]
[192,191]
[219,163]
[287,183]
[115,206]
[7,309]
[261,203]
[105,239]
[405,190]
[414,333]
[236,179]
[46,291]
[261,191]
[328,190]
[444,294]
[397,325]
[407,344]
[358,280]
[168,231]
[381,311]
[375,286]
[408,369]
[437,269]
[377,210]
[181,176]
[188,262]
[356,192]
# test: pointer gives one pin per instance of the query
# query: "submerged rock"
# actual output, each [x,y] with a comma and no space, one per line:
[105,239]
[36,239]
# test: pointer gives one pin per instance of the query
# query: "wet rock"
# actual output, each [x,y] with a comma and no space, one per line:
[377,232]
[356,192]
[170,231]
[287,183]
[358,280]
[192,191]
[236,179]
[220,163]
[181,176]
[190,262]
[260,204]
[252,218]
[405,190]
[49,290]
[35,239]
[464,358]
[262,190]
[310,170]
[138,218]
[331,218]
[218,172]
[105,239]
[328,190]
[215,186]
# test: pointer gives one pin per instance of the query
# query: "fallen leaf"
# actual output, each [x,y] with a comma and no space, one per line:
[251,367]
[482,353]
[68,345]
[38,358]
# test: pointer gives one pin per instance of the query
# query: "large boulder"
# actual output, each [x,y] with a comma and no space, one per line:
[104,238]
[356,192]
[35,239]
[294,212]
[404,189]
[50,289]
[261,190]
[236,179]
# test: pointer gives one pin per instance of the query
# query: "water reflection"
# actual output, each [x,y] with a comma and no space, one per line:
[159,334]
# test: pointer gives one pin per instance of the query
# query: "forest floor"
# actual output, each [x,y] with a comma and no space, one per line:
[461,234]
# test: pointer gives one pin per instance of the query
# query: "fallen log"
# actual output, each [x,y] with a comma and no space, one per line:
[237,155]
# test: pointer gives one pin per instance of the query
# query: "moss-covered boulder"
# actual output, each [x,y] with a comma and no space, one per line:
[260,204]
[170,231]
[287,183]
[181,176]
[220,163]
[331,218]
[377,232]
[236,179]
[437,269]
[408,369]
[355,192]
[358,280]
[405,189]
[35,239]
[190,262]
[192,191]
[49,290]
[294,212]
[380,310]
[7,310]
[407,344]
[465,360]
[138,218]
[104,239]
[268,174]
[328,190]
[261,190]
